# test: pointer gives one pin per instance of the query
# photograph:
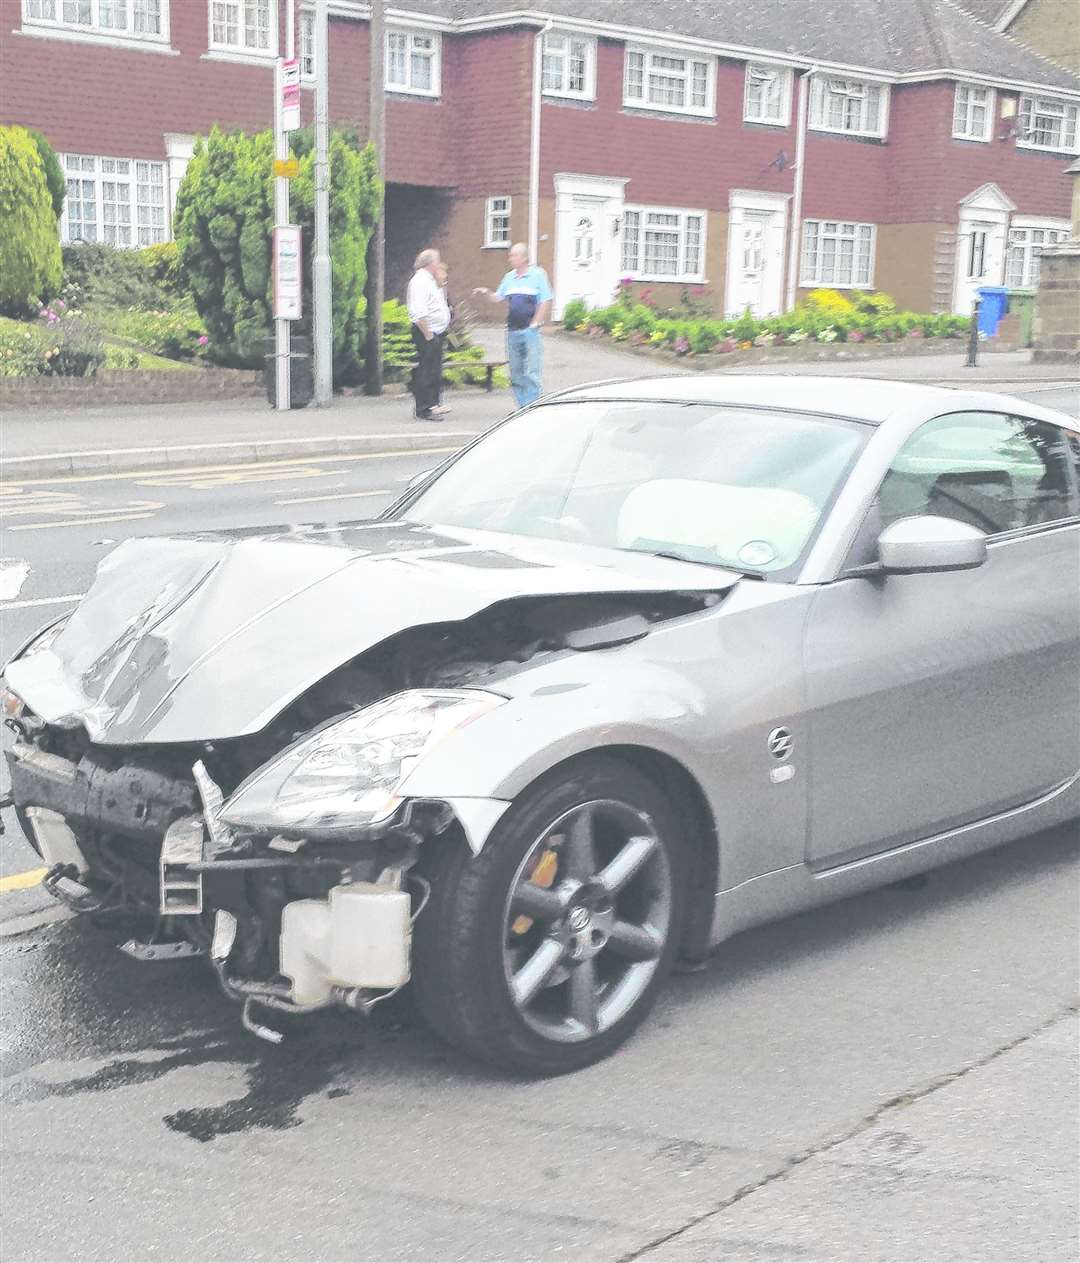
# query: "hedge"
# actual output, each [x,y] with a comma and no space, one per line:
[29,242]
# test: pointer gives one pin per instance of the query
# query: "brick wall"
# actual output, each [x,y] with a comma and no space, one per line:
[1057,307]
[930,172]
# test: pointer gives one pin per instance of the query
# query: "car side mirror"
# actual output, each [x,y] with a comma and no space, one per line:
[926,545]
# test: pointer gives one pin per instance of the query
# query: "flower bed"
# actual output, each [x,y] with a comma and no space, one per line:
[824,319]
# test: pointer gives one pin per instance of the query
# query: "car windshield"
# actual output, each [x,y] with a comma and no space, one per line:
[726,486]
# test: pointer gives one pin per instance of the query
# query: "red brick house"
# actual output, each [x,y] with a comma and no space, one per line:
[755,150]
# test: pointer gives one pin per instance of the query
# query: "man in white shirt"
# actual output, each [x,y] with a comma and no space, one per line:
[430,316]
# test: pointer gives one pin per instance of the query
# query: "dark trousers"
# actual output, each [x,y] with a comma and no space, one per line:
[427,376]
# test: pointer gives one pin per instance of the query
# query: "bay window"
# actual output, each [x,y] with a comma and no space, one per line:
[837,254]
[663,243]
[118,201]
[661,81]
[1048,123]
[847,105]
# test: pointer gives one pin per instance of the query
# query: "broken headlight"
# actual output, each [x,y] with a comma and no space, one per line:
[347,774]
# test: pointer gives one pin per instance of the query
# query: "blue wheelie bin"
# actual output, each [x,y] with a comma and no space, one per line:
[993,305]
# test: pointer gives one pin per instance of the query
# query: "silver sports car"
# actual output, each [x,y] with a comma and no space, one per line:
[645,665]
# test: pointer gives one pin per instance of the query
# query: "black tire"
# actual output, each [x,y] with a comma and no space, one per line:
[460,979]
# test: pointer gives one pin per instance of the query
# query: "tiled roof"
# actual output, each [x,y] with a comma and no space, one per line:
[894,36]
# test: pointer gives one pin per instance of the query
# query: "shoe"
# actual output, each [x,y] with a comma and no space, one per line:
[441,409]
[432,415]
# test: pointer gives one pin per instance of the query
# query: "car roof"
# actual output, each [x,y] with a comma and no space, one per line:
[865,399]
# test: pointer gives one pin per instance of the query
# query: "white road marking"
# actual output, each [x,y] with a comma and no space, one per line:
[14,572]
[341,495]
[42,600]
[84,521]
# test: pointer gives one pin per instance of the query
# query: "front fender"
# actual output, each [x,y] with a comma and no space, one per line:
[549,721]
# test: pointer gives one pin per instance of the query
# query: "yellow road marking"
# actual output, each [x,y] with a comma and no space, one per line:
[341,495]
[86,521]
[135,474]
[22,881]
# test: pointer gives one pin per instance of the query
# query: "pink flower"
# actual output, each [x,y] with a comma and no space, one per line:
[856,335]
[203,340]
[681,346]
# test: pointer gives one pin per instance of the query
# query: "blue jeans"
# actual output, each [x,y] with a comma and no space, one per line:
[524,352]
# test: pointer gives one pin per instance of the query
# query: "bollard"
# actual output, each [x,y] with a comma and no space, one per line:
[973,337]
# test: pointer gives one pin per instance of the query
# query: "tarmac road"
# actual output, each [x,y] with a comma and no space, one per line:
[889,1080]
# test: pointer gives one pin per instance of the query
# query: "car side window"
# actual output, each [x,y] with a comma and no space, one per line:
[996,472]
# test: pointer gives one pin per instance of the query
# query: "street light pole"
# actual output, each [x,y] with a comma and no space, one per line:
[322,279]
[282,340]
[376,281]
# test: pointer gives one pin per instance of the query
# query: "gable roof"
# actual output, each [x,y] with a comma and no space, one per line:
[895,38]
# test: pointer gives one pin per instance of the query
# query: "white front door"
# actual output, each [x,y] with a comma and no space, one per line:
[757,230]
[981,236]
[588,241]
[980,259]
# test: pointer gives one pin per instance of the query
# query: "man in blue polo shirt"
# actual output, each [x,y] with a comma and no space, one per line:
[527,294]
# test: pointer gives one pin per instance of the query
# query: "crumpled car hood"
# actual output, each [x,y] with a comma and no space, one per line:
[202,638]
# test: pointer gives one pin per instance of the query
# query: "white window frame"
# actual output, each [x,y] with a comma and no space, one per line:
[36,20]
[823,84]
[221,50]
[683,277]
[305,44]
[130,180]
[649,68]
[1029,225]
[817,227]
[782,76]
[963,111]
[1049,106]
[406,87]
[568,40]
[497,208]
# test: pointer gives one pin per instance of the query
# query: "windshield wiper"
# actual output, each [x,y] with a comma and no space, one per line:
[698,561]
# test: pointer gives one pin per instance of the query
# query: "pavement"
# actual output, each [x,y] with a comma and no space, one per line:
[39,442]
[888,1080]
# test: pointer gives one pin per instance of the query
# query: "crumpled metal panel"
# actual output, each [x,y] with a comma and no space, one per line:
[209,637]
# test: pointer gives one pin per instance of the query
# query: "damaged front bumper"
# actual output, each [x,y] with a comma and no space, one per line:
[290,924]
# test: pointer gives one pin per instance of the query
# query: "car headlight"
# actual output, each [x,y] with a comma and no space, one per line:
[347,774]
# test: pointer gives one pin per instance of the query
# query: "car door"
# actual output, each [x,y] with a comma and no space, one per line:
[941,699]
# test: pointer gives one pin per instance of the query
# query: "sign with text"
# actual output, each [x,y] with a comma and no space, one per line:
[288,273]
[289,78]
[286,168]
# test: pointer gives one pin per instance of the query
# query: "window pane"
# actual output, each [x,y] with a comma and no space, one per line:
[635,76]
[147,17]
[631,230]
[396,61]
[420,67]
[77,11]
[993,472]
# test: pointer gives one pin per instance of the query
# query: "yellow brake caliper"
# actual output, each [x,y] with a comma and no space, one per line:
[543,874]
